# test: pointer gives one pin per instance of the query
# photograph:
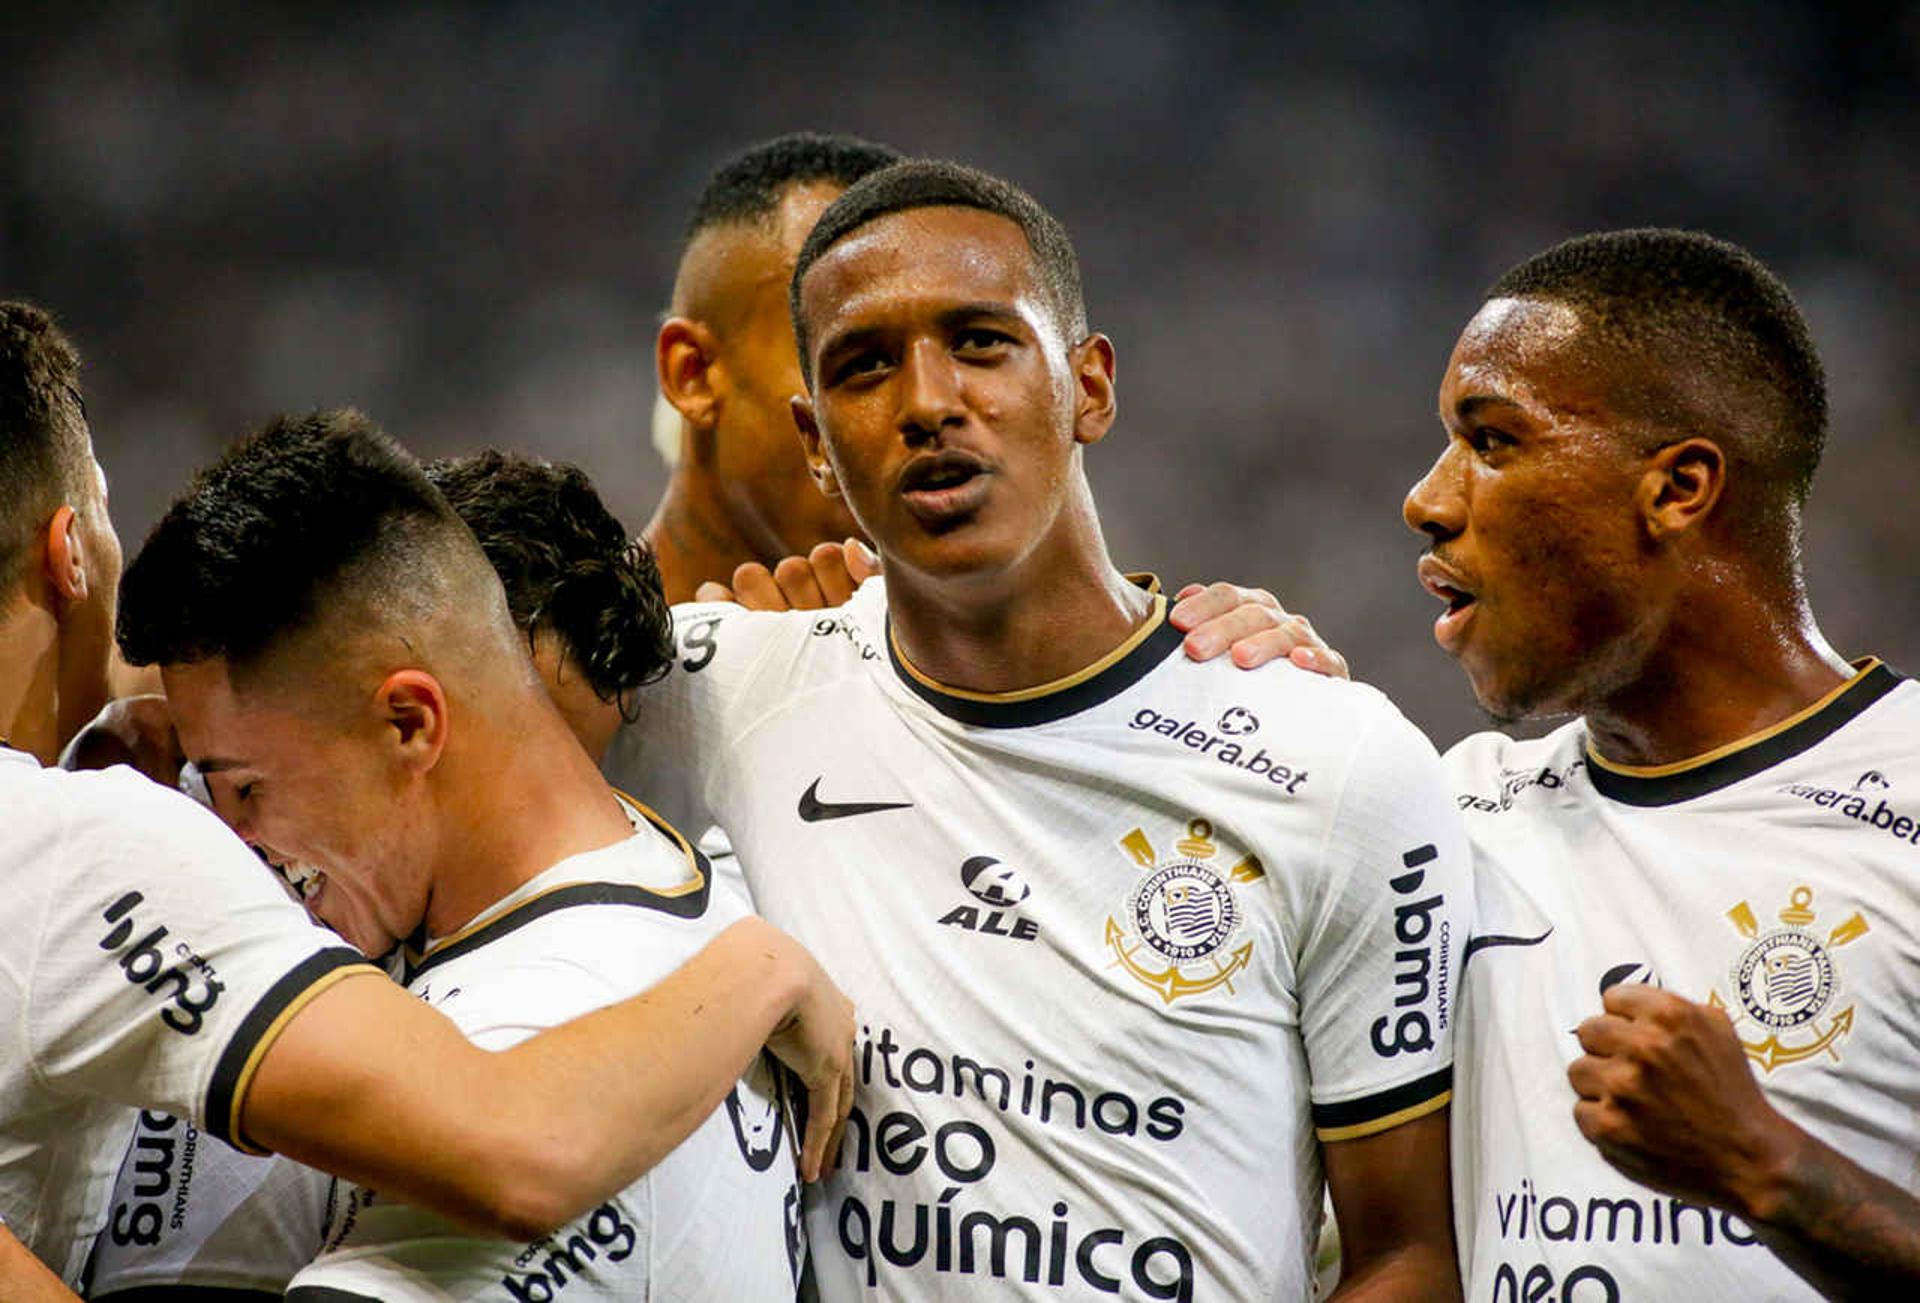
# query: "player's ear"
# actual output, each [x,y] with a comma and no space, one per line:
[810,443]
[686,356]
[1680,485]
[1092,360]
[66,557]
[413,706]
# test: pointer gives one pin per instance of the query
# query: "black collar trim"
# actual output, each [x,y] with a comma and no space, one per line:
[1074,694]
[687,901]
[1671,784]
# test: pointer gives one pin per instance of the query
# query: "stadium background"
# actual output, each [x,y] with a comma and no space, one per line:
[464,219]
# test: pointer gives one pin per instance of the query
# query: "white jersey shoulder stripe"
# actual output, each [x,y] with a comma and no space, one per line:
[261,1027]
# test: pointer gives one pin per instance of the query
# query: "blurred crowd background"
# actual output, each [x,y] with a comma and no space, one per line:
[464,219]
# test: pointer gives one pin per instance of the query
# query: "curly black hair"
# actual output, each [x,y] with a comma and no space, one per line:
[567,564]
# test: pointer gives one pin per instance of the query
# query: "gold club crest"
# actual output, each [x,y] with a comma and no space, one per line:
[1174,931]
[1785,984]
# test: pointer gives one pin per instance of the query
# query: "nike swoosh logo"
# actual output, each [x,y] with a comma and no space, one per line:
[1476,944]
[813,809]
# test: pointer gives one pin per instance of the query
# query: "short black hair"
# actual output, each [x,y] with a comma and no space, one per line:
[748,186]
[265,538]
[936,183]
[567,564]
[43,428]
[1711,315]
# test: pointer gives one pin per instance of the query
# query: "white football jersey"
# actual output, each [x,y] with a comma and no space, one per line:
[122,984]
[188,1211]
[1779,879]
[1122,946]
[718,1218]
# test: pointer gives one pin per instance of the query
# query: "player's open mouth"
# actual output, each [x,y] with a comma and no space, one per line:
[943,488]
[306,881]
[1445,585]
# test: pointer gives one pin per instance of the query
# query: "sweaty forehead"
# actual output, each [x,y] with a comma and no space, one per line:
[1530,351]
[923,255]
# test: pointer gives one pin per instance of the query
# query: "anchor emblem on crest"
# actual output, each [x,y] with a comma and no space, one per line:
[1175,929]
[1785,984]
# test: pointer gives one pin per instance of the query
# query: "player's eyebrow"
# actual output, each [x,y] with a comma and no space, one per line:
[1473,404]
[860,336]
[972,311]
[214,764]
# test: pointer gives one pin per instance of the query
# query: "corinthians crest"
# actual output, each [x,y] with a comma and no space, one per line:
[1785,984]
[1174,931]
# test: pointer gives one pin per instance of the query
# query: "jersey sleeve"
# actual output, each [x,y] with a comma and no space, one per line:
[1377,960]
[668,756]
[167,958]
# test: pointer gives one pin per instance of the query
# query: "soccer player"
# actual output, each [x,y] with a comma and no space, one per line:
[151,962]
[739,490]
[1719,848]
[342,666]
[1139,945]
[587,602]
[1709,874]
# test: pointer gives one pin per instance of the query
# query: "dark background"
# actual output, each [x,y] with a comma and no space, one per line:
[464,219]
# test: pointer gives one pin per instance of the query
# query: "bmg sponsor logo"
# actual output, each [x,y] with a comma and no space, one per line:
[604,1230]
[160,1167]
[1419,963]
[144,963]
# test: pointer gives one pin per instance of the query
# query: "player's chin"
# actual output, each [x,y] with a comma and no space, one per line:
[951,548]
[1506,694]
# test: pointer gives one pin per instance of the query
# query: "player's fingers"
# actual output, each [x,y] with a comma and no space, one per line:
[1195,608]
[1243,623]
[863,563]
[1588,1076]
[829,564]
[1593,1119]
[821,1101]
[755,589]
[1605,1034]
[1321,660]
[709,591]
[831,1159]
[1640,1000]
[1187,592]
[797,582]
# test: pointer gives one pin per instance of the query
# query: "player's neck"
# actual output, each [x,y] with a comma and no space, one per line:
[1725,668]
[1037,623]
[30,681]
[518,798]
[692,536]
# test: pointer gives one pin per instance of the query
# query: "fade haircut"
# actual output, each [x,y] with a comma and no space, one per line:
[43,430]
[1719,346]
[311,517]
[934,183]
[749,186]
[568,566]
